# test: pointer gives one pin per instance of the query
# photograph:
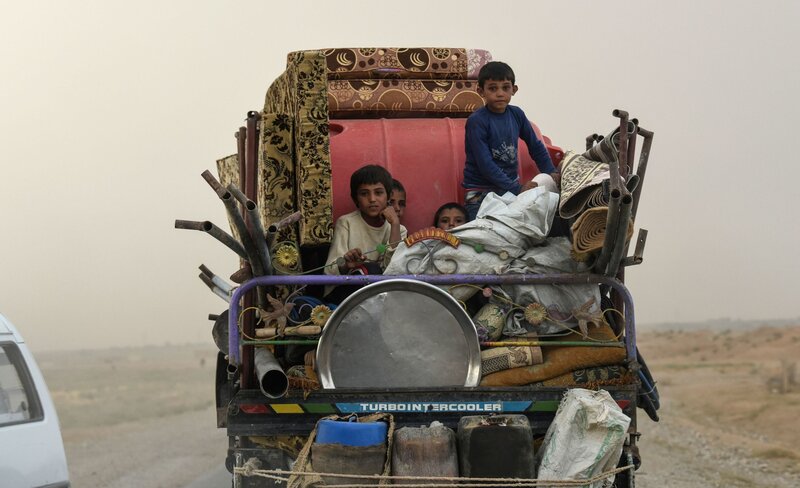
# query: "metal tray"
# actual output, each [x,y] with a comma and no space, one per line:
[399,334]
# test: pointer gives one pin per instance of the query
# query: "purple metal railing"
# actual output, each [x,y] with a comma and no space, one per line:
[454,279]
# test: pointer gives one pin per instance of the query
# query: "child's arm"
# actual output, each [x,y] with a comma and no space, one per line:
[340,249]
[394,221]
[397,233]
[536,147]
[477,140]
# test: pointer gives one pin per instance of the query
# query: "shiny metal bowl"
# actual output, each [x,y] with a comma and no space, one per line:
[399,333]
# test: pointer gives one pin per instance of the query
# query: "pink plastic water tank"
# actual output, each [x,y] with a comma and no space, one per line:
[426,155]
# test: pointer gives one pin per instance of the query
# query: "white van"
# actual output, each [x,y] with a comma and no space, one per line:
[31,448]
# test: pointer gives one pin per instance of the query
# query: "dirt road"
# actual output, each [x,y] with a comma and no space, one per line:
[144,417]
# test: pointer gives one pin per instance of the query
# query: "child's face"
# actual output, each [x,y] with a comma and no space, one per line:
[371,200]
[497,94]
[398,201]
[450,217]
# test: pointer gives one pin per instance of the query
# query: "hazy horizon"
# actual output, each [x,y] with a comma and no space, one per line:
[113,109]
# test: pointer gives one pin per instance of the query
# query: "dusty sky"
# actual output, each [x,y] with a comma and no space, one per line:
[111,110]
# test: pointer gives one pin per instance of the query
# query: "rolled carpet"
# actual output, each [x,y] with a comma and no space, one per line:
[581,184]
[559,360]
[589,231]
[501,358]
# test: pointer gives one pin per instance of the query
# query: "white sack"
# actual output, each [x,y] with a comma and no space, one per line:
[585,439]
[575,302]
[510,227]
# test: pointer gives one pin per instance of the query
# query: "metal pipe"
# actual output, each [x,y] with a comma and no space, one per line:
[249,322]
[222,284]
[251,155]
[638,252]
[454,279]
[641,168]
[622,153]
[238,222]
[254,217]
[272,230]
[213,183]
[612,220]
[272,381]
[215,232]
[620,241]
[216,290]
[632,145]
[241,141]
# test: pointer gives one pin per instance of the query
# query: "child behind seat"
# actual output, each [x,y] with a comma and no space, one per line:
[363,240]
[450,215]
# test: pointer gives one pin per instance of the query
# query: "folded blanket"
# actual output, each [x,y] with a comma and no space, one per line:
[394,62]
[559,360]
[404,97]
[592,378]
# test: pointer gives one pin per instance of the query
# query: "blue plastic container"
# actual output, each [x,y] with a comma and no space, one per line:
[351,433]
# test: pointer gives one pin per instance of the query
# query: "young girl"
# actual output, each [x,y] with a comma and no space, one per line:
[450,215]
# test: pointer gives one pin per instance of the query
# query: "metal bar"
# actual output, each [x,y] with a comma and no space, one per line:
[641,168]
[622,151]
[638,253]
[612,220]
[455,279]
[314,342]
[241,138]
[251,155]
[281,342]
[620,241]
[213,183]
[632,145]
[248,167]
[215,232]
[553,343]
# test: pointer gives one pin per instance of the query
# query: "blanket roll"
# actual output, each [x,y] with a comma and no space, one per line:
[559,360]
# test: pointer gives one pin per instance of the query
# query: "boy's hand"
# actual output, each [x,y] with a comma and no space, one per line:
[529,185]
[352,259]
[390,215]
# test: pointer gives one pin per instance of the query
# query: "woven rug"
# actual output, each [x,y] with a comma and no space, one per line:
[581,184]
[589,231]
[559,360]
[592,378]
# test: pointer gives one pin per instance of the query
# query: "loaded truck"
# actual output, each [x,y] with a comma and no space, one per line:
[461,326]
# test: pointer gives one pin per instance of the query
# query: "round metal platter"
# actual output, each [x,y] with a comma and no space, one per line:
[399,333]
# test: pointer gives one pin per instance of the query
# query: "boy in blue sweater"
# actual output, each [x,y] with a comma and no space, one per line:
[492,139]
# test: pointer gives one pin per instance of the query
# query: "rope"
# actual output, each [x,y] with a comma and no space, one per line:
[280,475]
